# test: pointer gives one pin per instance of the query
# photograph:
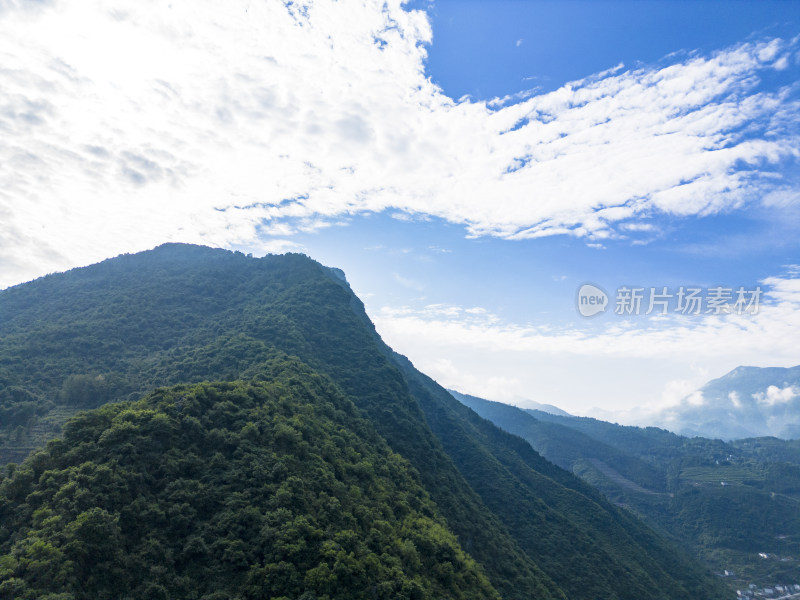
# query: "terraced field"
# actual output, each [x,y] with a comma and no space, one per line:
[727,474]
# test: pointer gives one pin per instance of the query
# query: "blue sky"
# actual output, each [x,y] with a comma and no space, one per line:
[493,49]
[468,164]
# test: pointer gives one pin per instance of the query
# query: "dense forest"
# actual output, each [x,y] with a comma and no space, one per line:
[116,331]
[734,504]
[272,488]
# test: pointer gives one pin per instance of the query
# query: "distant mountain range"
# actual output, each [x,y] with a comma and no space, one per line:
[747,402]
[736,505]
[548,408]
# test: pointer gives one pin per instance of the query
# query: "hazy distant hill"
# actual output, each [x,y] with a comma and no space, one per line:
[747,402]
[729,503]
[532,405]
[185,314]
[548,408]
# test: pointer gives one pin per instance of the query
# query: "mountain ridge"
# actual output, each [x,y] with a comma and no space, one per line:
[186,314]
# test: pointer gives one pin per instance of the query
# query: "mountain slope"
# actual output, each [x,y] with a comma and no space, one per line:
[597,550]
[182,314]
[568,446]
[260,489]
[728,503]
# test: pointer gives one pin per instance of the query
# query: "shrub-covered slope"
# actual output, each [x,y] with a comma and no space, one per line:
[261,489]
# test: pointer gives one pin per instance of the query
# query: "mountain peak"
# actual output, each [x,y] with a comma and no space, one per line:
[745,402]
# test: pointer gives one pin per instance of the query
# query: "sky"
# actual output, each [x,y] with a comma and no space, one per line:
[469,165]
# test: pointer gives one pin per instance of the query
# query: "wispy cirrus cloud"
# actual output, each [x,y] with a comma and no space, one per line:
[237,123]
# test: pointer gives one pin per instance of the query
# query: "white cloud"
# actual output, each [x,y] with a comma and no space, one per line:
[769,333]
[279,246]
[774,395]
[674,392]
[445,372]
[696,399]
[229,123]
[657,355]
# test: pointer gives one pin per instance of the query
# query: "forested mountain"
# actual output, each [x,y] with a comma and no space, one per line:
[736,504]
[747,402]
[264,489]
[183,314]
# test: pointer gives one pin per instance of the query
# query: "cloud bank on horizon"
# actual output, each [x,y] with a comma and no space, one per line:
[766,337]
[240,124]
